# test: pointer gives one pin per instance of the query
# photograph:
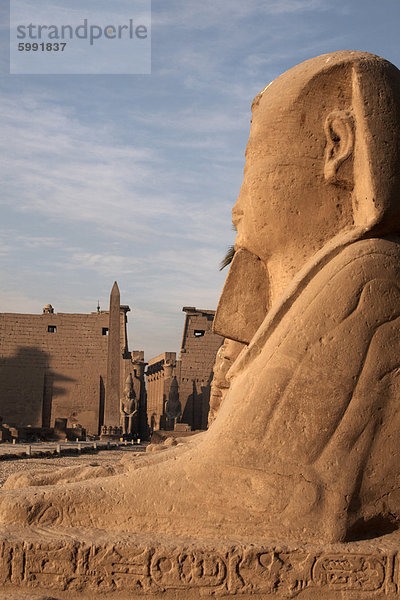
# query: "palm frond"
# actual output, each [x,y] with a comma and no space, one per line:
[227,258]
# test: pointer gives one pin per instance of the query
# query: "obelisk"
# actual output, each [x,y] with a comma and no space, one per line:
[111,409]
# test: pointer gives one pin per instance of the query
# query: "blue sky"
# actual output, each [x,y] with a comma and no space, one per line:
[133,177]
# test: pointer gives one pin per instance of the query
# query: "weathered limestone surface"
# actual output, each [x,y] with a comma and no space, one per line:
[81,564]
[303,457]
[226,356]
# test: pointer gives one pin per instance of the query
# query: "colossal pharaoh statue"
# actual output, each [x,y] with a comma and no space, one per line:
[128,407]
[305,445]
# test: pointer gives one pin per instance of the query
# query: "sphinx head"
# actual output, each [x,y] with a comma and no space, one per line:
[322,161]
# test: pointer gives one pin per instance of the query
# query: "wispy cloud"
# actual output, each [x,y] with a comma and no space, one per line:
[67,170]
[134,178]
[160,235]
[28,241]
[200,15]
[75,11]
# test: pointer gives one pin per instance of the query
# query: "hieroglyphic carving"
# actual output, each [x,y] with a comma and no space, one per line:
[12,561]
[93,568]
[77,566]
[295,573]
[391,573]
[114,567]
[131,569]
[265,572]
[252,570]
[350,572]
[188,570]
[49,565]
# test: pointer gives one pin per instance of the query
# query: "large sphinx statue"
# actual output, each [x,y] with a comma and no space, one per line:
[306,444]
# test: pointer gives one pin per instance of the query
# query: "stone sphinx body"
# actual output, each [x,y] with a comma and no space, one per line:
[305,445]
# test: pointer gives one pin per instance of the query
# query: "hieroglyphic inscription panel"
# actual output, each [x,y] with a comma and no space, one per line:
[130,567]
[350,572]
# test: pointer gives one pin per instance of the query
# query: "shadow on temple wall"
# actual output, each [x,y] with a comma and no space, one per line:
[198,405]
[163,417]
[206,393]
[144,427]
[28,386]
[189,412]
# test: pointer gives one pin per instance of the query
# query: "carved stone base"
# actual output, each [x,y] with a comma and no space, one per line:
[74,564]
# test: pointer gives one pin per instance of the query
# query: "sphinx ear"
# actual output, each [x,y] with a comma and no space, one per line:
[339,132]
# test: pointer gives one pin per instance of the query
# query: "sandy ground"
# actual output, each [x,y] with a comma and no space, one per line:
[105,457]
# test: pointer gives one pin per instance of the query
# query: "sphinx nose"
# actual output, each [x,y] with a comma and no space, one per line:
[236,217]
[237,211]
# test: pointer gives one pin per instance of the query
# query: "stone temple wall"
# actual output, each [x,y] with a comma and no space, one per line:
[156,388]
[195,366]
[193,371]
[55,365]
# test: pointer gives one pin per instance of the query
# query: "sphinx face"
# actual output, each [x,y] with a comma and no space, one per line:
[283,199]
[271,214]
[287,209]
